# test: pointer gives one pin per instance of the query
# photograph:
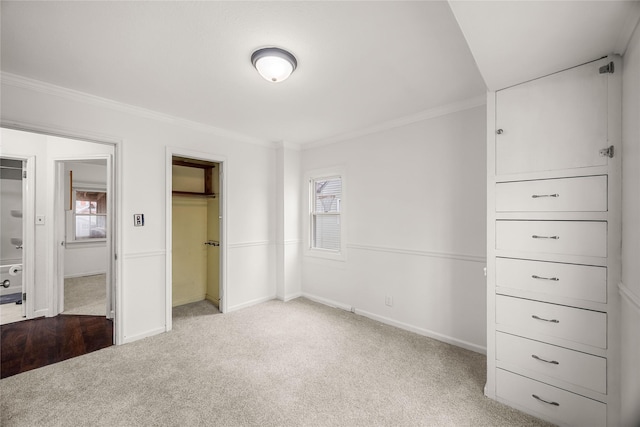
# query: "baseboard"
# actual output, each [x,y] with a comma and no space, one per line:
[90,273]
[189,300]
[327,301]
[250,303]
[425,332]
[147,334]
[40,313]
[290,297]
[401,325]
[212,300]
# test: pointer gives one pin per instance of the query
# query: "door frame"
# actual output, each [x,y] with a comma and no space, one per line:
[60,236]
[209,157]
[116,143]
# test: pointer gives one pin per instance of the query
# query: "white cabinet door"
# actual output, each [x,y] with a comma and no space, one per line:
[553,123]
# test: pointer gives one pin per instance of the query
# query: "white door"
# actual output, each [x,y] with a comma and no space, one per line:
[60,233]
[110,233]
[553,123]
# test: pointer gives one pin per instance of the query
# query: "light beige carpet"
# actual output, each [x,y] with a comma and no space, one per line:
[275,364]
[86,295]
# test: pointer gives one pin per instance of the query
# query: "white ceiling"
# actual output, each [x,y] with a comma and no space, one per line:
[360,64]
[516,41]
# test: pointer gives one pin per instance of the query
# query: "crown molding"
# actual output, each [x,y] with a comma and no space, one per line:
[83,97]
[402,121]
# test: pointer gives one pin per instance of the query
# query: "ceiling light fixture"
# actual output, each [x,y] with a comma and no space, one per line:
[274,64]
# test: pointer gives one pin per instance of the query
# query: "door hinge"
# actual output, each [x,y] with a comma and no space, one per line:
[607,152]
[24,174]
[115,256]
[607,69]
[24,296]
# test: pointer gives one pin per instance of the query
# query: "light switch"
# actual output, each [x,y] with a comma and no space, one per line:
[138,220]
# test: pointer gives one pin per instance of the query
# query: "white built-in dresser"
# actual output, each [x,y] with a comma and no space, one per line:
[553,245]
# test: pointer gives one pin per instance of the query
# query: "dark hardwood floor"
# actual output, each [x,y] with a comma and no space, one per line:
[34,343]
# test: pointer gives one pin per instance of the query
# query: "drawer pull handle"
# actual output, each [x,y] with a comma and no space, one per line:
[545,320]
[545,401]
[535,236]
[555,279]
[537,196]
[553,362]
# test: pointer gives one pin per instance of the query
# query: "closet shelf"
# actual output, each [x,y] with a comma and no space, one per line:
[194,194]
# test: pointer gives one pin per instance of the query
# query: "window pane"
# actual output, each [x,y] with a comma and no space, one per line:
[83,227]
[82,207]
[327,195]
[90,214]
[326,232]
[98,227]
[91,202]
[325,218]
[91,227]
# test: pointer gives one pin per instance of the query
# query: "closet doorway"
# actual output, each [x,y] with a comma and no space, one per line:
[196,235]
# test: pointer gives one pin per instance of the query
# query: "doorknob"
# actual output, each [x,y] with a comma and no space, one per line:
[212,243]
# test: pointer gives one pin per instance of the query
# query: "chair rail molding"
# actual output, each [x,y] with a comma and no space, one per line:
[431,254]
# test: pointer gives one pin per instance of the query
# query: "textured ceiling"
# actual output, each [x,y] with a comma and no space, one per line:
[360,63]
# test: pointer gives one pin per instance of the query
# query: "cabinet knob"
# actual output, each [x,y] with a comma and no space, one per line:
[499,131]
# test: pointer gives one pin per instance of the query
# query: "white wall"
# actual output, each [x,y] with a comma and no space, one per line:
[84,258]
[143,136]
[630,287]
[416,213]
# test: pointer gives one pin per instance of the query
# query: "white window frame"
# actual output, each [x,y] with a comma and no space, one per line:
[310,177]
[71,231]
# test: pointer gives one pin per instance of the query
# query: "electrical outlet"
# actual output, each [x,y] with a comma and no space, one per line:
[388,300]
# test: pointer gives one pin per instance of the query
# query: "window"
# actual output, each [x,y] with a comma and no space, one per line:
[90,214]
[325,221]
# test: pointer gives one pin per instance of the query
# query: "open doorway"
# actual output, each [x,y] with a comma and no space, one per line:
[15,188]
[46,336]
[196,249]
[86,260]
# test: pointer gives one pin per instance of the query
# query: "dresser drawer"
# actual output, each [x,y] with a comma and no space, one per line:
[573,367]
[586,194]
[552,403]
[527,317]
[580,282]
[587,238]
